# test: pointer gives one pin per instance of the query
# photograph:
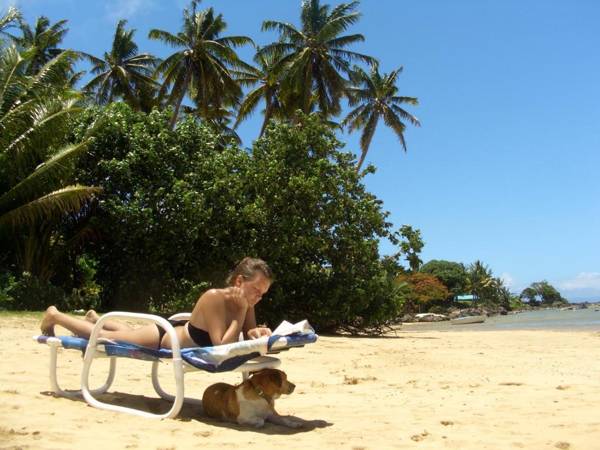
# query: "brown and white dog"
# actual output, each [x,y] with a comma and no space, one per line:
[251,402]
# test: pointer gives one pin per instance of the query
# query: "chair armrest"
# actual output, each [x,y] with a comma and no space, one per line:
[164,323]
[181,316]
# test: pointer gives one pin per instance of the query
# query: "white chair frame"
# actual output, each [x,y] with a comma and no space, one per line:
[95,349]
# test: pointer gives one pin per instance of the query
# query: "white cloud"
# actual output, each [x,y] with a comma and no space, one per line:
[507,280]
[584,280]
[125,9]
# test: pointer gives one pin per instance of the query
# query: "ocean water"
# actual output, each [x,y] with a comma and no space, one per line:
[551,319]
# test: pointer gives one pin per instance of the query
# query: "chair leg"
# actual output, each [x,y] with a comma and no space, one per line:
[54,346]
[156,384]
[177,368]
[54,378]
[162,393]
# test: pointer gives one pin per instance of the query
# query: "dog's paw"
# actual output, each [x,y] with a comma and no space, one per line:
[286,421]
[256,423]
[292,423]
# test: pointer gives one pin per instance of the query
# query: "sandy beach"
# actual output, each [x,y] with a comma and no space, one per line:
[411,389]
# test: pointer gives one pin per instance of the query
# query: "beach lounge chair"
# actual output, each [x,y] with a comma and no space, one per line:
[243,356]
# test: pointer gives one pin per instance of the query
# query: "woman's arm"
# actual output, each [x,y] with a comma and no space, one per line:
[251,331]
[250,321]
[211,314]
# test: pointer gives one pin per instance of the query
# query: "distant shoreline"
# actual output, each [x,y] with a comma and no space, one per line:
[548,319]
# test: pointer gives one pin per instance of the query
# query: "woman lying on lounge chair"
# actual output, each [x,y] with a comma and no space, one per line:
[217,318]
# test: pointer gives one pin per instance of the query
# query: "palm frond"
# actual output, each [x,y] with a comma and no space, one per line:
[276,50]
[344,41]
[399,100]
[167,38]
[337,25]
[43,118]
[47,173]
[53,71]
[367,136]
[11,82]
[344,8]
[50,206]
[394,122]
[286,30]
[406,115]
[354,56]
[352,120]
[10,19]
[235,41]
[249,104]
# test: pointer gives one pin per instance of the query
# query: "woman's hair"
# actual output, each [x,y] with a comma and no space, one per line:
[248,268]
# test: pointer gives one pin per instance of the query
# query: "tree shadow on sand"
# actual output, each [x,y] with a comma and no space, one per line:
[399,334]
[192,411]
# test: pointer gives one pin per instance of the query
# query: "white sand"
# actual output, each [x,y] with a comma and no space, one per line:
[426,390]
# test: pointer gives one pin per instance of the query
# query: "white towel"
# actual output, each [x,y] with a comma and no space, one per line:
[286,328]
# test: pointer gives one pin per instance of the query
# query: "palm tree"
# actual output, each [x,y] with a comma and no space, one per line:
[377,98]
[315,58]
[8,20]
[123,72]
[34,160]
[480,279]
[41,41]
[204,65]
[266,77]
[220,120]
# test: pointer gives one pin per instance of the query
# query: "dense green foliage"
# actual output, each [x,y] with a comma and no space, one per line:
[542,292]
[411,245]
[179,209]
[162,216]
[489,290]
[475,279]
[452,274]
[319,228]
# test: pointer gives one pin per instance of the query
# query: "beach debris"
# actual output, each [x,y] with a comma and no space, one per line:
[562,387]
[510,383]
[446,422]
[356,380]
[430,317]
[562,445]
[419,437]
[203,433]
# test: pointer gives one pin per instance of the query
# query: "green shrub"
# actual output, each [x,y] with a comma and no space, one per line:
[31,293]
[86,294]
[7,283]
[177,205]
[181,299]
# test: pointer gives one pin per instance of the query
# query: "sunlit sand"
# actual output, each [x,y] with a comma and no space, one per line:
[458,390]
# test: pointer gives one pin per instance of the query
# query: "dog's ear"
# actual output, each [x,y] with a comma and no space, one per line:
[257,372]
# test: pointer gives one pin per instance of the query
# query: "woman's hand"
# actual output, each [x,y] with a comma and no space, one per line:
[236,296]
[258,332]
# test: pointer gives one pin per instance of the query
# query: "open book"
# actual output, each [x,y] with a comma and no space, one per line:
[286,328]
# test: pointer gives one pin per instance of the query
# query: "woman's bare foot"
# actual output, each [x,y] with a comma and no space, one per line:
[47,325]
[92,316]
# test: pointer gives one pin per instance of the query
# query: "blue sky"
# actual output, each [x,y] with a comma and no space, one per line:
[505,166]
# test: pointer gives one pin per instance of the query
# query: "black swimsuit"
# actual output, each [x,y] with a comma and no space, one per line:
[200,337]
